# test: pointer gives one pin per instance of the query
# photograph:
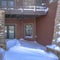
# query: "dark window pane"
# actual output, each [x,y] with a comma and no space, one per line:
[28,30]
[38,2]
[28,2]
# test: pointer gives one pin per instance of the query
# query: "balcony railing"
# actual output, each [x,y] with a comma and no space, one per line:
[28,10]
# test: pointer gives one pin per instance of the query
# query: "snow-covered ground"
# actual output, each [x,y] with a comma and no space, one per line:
[54,47]
[32,44]
[26,50]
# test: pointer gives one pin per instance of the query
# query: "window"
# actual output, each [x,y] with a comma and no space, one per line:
[11,4]
[28,31]
[38,2]
[28,2]
[7,3]
[4,4]
[10,32]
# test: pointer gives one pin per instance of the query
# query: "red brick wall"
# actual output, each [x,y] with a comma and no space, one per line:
[19,23]
[45,25]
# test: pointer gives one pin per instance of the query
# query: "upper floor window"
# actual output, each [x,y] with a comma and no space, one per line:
[4,4]
[28,2]
[7,3]
[10,3]
[38,2]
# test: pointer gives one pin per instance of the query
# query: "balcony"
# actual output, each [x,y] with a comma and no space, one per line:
[27,10]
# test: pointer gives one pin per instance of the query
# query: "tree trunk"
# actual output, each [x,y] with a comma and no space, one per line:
[57,24]
[2,29]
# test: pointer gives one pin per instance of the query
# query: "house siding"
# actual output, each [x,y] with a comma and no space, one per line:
[19,26]
[45,25]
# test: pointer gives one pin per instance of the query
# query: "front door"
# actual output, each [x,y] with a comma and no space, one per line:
[10,32]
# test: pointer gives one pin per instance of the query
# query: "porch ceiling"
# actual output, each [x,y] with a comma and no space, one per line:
[19,16]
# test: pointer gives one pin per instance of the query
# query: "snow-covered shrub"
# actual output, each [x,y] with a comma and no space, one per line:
[51,46]
[58,32]
[58,39]
[54,47]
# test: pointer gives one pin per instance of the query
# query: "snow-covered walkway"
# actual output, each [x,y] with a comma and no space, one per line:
[32,44]
[28,50]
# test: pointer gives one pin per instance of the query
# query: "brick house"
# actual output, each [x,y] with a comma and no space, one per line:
[29,19]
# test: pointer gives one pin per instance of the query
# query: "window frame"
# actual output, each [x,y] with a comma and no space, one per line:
[8,31]
[9,6]
[7,3]
[28,2]
[25,31]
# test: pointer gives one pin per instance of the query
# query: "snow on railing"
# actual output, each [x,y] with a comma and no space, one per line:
[29,8]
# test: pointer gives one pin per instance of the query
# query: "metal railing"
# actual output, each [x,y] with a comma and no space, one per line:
[29,8]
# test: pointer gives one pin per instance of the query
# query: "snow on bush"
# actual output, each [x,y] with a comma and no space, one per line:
[58,24]
[57,48]
[54,46]
[58,39]
[51,46]
[58,32]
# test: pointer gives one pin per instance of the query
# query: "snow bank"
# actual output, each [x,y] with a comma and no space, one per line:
[2,52]
[11,43]
[27,51]
[32,44]
[54,47]
[24,53]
